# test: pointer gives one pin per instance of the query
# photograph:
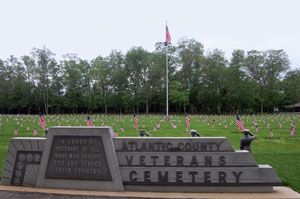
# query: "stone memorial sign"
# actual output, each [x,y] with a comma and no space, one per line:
[80,158]
[89,158]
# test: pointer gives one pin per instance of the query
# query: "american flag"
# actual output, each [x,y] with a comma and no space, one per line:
[42,122]
[271,133]
[89,123]
[135,122]
[174,126]
[16,131]
[158,125]
[187,129]
[293,131]
[168,37]
[239,123]
[34,132]
[115,134]
[187,120]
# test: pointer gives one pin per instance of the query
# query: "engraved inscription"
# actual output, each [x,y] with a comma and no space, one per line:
[185,176]
[78,157]
[186,162]
[173,160]
[172,147]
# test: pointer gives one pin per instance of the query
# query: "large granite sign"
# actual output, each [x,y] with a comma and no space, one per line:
[190,164]
[80,158]
[89,158]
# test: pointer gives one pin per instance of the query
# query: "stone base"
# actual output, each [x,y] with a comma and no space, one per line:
[30,192]
[85,158]
[201,189]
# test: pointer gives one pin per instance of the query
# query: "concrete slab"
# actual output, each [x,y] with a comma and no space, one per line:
[279,192]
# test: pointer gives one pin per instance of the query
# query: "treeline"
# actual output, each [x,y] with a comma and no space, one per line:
[200,81]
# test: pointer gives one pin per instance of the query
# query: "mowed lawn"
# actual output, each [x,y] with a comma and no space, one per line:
[281,151]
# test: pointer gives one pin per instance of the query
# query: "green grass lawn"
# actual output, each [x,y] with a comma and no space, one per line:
[281,151]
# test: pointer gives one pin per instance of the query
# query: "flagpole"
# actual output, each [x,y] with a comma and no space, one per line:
[167,86]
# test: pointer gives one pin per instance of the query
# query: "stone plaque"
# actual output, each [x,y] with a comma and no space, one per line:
[78,157]
[81,158]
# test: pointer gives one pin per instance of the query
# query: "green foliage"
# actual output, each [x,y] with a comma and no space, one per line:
[200,81]
[265,68]
[291,87]
[178,96]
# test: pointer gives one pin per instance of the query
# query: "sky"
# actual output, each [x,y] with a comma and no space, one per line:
[90,28]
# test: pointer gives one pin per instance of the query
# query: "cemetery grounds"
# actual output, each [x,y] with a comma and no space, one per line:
[275,143]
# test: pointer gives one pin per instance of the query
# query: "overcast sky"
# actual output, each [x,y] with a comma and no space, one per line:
[93,27]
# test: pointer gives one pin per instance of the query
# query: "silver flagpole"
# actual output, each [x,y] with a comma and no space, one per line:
[167,86]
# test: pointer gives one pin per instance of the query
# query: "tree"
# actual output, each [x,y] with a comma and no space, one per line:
[44,64]
[6,80]
[137,63]
[191,61]
[178,96]
[190,57]
[30,68]
[212,80]
[73,80]
[19,95]
[102,71]
[119,81]
[239,88]
[56,89]
[291,85]
[265,69]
